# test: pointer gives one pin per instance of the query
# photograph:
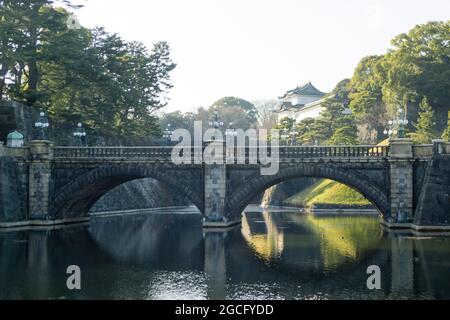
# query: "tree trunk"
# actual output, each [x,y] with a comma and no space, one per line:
[33,70]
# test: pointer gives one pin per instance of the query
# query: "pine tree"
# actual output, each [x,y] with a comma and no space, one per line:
[346,135]
[425,126]
[335,126]
[446,134]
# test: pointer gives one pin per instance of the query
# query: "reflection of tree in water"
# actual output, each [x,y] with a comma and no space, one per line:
[345,238]
[339,239]
[33,263]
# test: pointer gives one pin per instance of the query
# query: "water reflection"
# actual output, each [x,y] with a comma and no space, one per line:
[274,255]
[263,235]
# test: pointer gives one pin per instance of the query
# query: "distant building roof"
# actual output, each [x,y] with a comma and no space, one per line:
[287,106]
[305,90]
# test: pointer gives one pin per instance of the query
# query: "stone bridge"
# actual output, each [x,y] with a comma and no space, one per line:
[409,184]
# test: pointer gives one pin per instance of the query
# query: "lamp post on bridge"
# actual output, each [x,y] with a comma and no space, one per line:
[41,125]
[215,123]
[396,127]
[230,131]
[80,134]
[289,137]
[168,133]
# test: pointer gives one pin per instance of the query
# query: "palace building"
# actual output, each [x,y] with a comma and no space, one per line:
[301,103]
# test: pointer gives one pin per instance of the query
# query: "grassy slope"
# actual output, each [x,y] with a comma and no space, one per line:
[328,192]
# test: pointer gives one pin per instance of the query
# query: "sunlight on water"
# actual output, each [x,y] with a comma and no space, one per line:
[178,286]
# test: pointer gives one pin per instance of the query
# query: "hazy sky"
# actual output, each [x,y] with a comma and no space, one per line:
[258,49]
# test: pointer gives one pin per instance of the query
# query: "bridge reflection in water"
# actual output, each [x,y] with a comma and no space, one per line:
[274,255]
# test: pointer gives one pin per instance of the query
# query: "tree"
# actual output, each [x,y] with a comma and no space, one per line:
[29,26]
[446,133]
[267,118]
[366,98]
[425,127]
[178,120]
[335,126]
[419,66]
[344,135]
[286,127]
[248,108]
[116,89]
[307,133]
[79,75]
[235,113]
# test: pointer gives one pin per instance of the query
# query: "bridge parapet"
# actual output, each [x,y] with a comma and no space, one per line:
[428,150]
[19,153]
[422,150]
[111,152]
[237,154]
[285,153]
[358,151]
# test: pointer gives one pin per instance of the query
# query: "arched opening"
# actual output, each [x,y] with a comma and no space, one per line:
[314,193]
[309,245]
[139,195]
[77,197]
[257,184]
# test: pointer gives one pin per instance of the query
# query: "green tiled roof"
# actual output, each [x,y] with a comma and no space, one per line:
[307,90]
[15,136]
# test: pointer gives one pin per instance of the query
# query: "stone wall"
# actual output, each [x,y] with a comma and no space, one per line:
[277,194]
[138,194]
[13,190]
[16,116]
[433,207]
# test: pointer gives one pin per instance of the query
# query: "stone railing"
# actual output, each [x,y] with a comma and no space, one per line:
[422,150]
[359,151]
[428,150]
[112,152]
[285,153]
[288,153]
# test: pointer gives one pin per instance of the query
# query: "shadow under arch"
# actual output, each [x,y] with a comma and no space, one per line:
[76,198]
[254,186]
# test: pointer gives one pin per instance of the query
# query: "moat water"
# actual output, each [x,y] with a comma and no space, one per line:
[272,255]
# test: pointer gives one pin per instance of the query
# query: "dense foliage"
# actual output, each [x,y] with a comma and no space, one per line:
[50,62]
[416,67]
[235,113]
[425,130]
[413,75]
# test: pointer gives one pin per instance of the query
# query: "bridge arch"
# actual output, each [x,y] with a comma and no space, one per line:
[255,185]
[76,198]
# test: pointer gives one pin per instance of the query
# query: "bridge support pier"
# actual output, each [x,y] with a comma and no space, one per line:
[215,189]
[215,179]
[39,180]
[401,180]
